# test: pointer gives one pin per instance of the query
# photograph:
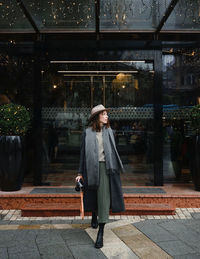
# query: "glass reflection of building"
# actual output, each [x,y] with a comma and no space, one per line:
[135,57]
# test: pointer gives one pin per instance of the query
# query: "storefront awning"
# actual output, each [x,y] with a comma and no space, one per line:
[100,17]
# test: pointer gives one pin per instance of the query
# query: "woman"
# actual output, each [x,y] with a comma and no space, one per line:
[100,167]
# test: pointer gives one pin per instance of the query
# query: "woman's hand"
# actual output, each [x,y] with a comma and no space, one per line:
[78,178]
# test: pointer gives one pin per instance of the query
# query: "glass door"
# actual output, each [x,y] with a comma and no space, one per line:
[126,87]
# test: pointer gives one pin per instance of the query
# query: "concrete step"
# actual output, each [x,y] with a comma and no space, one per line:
[73,209]
[50,209]
[149,209]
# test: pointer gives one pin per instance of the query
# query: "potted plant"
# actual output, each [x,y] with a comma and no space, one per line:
[14,123]
[195,146]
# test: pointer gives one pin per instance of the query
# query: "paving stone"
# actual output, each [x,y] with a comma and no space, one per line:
[6,238]
[195,215]
[156,233]
[118,251]
[126,231]
[85,221]
[56,221]
[55,251]
[25,255]
[151,252]
[139,243]
[113,246]
[5,222]
[62,226]
[188,256]
[176,247]
[86,251]
[174,226]
[3,253]
[49,238]
[196,246]
[22,246]
[76,237]
[190,236]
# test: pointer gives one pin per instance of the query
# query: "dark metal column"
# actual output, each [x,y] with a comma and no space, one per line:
[158,114]
[97,18]
[37,115]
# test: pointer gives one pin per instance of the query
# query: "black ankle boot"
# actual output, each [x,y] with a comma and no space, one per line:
[94,221]
[99,241]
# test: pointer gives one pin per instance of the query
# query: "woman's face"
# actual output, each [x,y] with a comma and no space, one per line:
[103,117]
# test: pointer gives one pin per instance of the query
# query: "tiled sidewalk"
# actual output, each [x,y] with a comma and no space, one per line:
[15,215]
[126,237]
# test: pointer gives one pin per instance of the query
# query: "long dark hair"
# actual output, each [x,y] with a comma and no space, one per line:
[95,123]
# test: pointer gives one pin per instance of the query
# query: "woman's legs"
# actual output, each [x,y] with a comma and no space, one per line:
[99,241]
[103,200]
[94,221]
[103,194]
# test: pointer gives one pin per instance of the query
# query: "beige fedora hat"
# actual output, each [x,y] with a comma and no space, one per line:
[97,109]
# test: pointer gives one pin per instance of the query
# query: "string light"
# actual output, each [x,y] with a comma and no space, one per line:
[123,14]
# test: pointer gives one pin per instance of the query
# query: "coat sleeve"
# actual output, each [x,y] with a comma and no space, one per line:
[115,147]
[82,155]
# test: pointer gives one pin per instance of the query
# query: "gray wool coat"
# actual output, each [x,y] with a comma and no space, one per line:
[90,196]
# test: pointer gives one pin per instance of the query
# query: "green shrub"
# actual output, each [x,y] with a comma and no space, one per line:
[14,120]
[195,116]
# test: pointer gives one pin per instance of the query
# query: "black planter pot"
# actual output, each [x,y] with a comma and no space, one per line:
[195,161]
[11,175]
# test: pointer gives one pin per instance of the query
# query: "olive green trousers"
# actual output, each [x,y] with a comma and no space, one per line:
[103,194]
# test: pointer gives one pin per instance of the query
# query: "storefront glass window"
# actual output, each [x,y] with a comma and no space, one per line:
[180,92]
[12,17]
[185,16]
[124,87]
[131,15]
[63,15]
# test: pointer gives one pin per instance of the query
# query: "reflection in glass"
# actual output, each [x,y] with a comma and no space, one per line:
[180,93]
[131,14]
[62,15]
[126,88]
[185,16]
[12,17]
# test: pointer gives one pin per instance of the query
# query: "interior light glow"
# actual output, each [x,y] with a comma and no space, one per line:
[97,72]
[96,61]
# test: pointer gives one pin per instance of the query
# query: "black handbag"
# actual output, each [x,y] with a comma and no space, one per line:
[79,185]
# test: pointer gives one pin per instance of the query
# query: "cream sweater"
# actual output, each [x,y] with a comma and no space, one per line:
[100,146]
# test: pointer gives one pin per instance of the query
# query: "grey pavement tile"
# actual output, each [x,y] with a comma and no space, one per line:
[76,237]
[6,238]
[190,237]
[3,253]
[25,233]
[193,223]
[5,222]
[176,248]
[196,246]
[22,246]
[188,256]
[25,255]
[49,256]
[49,238]
[55,251]
[86,252]
[196,215]
[156,233]
[20,222]
[151,222]
[85,221]
[60,221]
[174,226]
